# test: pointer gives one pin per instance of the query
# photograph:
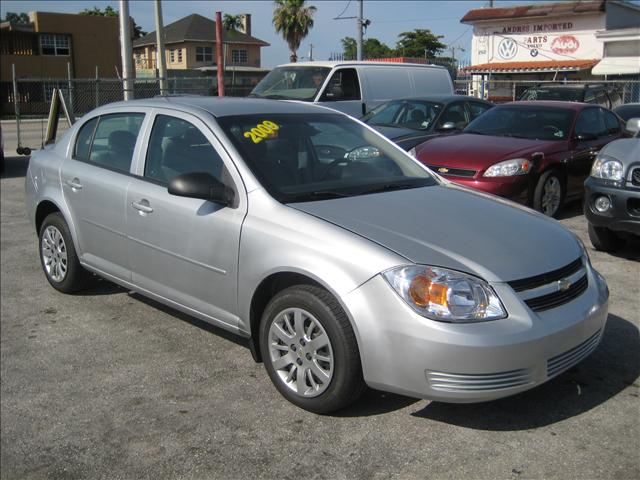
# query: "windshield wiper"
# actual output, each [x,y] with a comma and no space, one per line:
[272,96]
[387,187]
[317,195]
[475,132]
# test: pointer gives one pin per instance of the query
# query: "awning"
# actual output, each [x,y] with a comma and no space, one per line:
[531,67]
[617,66]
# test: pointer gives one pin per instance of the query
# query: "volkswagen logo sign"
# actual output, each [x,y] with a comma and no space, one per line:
[507,48]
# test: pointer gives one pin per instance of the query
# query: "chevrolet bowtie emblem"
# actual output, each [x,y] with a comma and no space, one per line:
[564,285]
[443,169]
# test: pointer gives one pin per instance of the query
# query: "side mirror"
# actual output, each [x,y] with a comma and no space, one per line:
[585,137]
[633,125]
[201,185]
[447,126]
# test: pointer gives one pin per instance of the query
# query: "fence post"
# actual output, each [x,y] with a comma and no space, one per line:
[16,106]
[97,88]
[70,82]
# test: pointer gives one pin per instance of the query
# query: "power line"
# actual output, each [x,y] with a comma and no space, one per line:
[416,20]
[341,13]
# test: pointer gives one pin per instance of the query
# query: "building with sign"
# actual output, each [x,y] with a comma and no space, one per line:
[542,42]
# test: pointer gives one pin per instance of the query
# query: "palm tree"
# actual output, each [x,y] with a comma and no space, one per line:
[231,22]
[293,20]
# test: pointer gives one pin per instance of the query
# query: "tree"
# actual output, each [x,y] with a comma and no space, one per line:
[419,43]
[109,11]
[231,22]
[17,17]
[293,20]
[373,48]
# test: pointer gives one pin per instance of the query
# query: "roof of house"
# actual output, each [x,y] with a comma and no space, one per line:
[527,67]
[542,9]
[197,28]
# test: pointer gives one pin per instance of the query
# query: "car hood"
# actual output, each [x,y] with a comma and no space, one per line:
[455,227]
[627,150]
[476,152]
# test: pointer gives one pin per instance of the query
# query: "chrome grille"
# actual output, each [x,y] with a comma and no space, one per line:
[457,382]
[568,359]
[551,300]
[635,177]
[454,172]
[546,278]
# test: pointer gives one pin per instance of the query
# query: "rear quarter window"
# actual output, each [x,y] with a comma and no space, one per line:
[83,140]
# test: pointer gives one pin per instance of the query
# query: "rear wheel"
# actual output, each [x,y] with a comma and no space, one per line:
[58,256]
[310,351]
[604,239]
[549,193]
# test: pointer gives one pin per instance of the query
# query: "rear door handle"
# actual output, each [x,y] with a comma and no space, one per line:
[74,184]
[142,206]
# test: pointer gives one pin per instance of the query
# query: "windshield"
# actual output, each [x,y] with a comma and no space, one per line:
[291,83]
[523,122]
[562,94]
[412,114]
[306,157]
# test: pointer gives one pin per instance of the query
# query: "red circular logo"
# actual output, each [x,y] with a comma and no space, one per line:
[565,44]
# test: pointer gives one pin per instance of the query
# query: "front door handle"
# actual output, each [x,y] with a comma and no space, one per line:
[142,206]
[74,184]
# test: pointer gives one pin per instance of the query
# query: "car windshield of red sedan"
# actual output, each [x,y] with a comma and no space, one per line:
[524,122]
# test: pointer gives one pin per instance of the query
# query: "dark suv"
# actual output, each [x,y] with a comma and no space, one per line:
[597,94]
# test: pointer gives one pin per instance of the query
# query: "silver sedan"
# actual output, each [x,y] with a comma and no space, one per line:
[341,259]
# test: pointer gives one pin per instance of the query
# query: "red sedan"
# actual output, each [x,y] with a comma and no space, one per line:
[538,153]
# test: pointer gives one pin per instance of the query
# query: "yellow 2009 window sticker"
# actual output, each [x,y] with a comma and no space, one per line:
[266,129]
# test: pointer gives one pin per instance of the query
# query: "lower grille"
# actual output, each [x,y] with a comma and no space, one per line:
[456,382]
[454,172]
[556,299]
[568,359]
[635,177]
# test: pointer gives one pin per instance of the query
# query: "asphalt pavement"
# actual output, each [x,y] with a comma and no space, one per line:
[108,384]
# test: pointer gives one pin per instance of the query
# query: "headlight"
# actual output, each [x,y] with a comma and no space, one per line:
[607,167]
[509,168]
[363,153]
[445,295]
[412,152]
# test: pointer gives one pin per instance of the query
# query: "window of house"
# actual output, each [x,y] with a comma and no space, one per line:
[239,56]
[204,54]
[172,55]
[54,45]
[179,55]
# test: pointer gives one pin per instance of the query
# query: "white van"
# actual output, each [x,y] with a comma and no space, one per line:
[353,87]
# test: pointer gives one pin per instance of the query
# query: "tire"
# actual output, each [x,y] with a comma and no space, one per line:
[332,373]
[60,264]
[604,239]
[549,193]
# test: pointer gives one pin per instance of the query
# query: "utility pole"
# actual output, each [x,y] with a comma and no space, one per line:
[126,50]
[360,25]
[219,59]
[161,58]
[311,52]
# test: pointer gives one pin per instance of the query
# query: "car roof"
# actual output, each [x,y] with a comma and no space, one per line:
[444,98]
[345,63]
[220,106]
[552,103]
[579,86]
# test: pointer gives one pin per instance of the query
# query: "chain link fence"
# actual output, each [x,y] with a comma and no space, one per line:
[500,91]
[83,95]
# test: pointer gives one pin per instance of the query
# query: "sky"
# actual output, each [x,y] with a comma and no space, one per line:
[388,19]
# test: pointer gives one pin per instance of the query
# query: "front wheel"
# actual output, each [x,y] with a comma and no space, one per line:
[309,350]
[604,239]
[549,193]
[58,256]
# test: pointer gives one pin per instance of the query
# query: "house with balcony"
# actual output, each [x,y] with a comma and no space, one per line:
[190,49]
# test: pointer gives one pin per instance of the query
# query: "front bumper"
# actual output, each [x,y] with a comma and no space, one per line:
[624,214]
[405,353]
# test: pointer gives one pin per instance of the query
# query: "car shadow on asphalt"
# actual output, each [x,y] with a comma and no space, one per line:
[613,369]
[571,209]
[15,167]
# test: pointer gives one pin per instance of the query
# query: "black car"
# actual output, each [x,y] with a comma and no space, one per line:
[628,111]
[411,121]
[598,94]
[612,194]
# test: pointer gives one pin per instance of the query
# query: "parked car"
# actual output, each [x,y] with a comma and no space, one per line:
[598,94]
[353,87]
[612,197]
[628,111]
[341,259]
[537,153]
[411,121]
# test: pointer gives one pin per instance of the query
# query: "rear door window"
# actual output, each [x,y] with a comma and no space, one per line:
[115,139]
[591,122]
[455,114]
